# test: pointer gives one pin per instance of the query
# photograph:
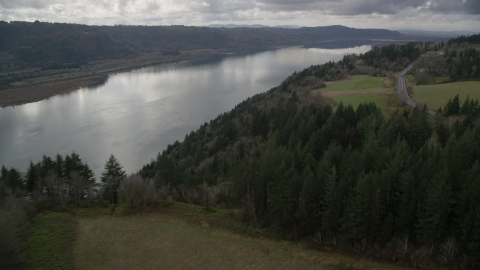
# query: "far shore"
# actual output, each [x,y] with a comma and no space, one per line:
[97,72]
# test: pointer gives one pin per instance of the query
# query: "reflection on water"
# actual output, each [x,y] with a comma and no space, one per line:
[341,44]
[135,115]
[101,82]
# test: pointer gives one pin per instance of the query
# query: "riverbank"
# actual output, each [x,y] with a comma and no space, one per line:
[44,87]
[61,82]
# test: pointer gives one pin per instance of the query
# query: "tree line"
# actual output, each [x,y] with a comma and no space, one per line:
[392,57]
[473,39]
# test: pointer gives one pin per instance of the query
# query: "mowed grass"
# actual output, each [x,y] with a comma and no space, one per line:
[358,82]
[356,100]
[186,237]
[180,236]
[154,243]
[436,96]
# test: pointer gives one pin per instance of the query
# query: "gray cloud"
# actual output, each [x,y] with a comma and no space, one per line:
[37,4]
[357,13]
[357,7]
[473,6]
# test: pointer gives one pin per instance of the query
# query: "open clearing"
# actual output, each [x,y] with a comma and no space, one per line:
[153,243]
[359,82]
[179,236]
[356,90]
[436,96]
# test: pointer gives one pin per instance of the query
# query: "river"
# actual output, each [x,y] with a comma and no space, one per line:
[135,115]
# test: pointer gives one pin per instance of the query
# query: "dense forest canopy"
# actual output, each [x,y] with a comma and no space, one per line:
[473,39]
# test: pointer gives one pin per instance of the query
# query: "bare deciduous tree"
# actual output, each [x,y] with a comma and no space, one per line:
[136,192]
[402,243]
[448,250]
[56,189]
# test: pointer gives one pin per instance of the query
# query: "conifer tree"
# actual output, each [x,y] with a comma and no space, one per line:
[433,219]
[112,175]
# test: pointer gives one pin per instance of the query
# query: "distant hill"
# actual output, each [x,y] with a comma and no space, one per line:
[444,34]
[42,45]
[230,25]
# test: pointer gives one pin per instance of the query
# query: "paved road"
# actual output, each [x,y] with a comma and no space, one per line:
[402,89]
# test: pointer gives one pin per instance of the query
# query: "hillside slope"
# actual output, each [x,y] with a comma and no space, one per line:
[24,45]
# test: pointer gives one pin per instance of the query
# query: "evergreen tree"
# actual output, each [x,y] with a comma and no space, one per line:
[433,219]
[112,175]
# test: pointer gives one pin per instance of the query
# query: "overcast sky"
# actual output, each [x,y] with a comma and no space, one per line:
[392,14]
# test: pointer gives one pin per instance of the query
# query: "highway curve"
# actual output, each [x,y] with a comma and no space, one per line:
[401,89]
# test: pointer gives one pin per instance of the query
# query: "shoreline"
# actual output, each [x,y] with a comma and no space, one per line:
[38,91]
[44,89]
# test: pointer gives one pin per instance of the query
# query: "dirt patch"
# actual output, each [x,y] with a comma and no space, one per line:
[352,92]
[388,82]
[392,103]
[410,91]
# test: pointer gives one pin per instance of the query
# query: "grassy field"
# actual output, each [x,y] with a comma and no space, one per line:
[358,89]
[359,82]
[436,96]
[179,236]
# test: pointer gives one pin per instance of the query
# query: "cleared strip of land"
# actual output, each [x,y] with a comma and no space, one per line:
[153,243]
[184,236]
[177,236]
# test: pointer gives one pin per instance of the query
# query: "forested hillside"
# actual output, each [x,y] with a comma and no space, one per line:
[458,59]
[472,39]
[392,57]
[57,45]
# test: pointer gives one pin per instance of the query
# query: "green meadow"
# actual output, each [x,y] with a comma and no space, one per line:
[179,236]
[437,95]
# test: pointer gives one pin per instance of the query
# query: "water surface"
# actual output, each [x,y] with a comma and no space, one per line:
[135,115]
